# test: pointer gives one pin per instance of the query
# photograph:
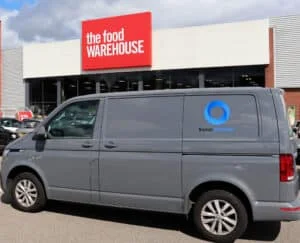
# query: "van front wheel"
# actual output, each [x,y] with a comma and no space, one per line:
[220,216]
[27,193]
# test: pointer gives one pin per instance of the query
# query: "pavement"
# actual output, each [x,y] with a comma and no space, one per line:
[66,222]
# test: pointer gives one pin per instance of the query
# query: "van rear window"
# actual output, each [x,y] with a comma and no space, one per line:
[291,132]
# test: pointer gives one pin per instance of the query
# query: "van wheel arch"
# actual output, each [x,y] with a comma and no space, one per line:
[21,169]
[220,185]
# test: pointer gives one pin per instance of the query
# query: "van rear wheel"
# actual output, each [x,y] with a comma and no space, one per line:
[27,193]
[220,216]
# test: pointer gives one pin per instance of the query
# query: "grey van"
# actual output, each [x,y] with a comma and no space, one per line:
[223,156]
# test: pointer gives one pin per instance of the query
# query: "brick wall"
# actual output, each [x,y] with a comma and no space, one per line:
[292,95]
[269,70]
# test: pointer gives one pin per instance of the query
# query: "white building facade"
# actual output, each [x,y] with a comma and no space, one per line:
[262,53]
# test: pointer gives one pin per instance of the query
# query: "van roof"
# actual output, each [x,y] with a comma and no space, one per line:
[175,91]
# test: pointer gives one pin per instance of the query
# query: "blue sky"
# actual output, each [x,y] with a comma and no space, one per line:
[15,4]
[27,21]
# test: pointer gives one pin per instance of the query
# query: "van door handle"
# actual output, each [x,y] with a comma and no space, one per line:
[110,145]
[87,145]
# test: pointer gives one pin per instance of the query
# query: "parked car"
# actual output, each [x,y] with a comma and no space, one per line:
[27,126]
[6,136]
[10,124]
[224,156]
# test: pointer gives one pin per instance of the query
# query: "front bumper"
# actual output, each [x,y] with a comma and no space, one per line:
[277,211]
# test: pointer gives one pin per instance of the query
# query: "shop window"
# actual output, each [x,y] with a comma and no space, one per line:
[121,84]
[249,77]
[42,96]
[103,86]
[69,88]
[87,86]
[149,81]
[183,79]
[156,80]
[215,78]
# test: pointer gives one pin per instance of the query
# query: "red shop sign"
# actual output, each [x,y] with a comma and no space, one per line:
[21,115]
[117,42]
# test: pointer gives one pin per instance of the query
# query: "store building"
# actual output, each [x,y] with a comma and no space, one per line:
[115,54]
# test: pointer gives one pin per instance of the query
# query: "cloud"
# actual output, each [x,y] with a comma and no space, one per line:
[10,37]
[60,20]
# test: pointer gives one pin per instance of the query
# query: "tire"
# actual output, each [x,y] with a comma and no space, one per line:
[205,218]
[36,193]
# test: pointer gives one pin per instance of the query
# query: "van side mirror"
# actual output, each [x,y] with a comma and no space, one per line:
[40,134]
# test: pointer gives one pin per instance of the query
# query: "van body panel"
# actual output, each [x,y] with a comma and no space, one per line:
[141,152]
[240,171]
[23,158]
[215,147]
[288,191]
[277,211]
[69,165]
[142,202]
[234,150]
[148,174]
[60,182]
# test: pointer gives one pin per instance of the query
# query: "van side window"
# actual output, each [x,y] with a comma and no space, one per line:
[228,117]
[146,118]
[77,120]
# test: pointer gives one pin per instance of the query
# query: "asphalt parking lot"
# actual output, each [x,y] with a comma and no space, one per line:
[65,222]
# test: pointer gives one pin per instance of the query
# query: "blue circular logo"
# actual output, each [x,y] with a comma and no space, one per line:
[217,120]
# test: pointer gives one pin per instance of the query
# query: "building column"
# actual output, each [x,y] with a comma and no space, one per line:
[98,84]
[27,94]
[58,92]
[140,83]
[269,70]
[201,80]
[98,90]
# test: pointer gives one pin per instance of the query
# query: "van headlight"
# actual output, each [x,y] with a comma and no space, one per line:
[5,153]
[13,136]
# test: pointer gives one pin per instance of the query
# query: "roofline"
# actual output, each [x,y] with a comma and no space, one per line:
[170,91]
